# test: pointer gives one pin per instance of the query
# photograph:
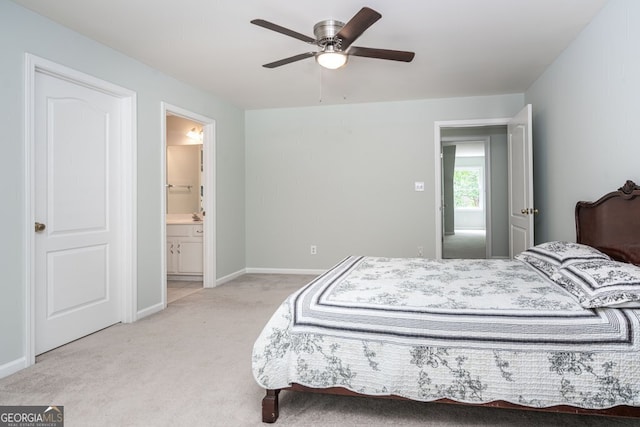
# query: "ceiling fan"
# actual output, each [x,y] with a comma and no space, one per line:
[334,39]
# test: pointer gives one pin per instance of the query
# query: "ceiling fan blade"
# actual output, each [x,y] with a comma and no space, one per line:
[357,25]
[393,55]
[282,30]
[290,60]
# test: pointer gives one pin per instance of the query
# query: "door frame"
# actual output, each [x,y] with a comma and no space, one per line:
[438,125]
[486,141]
[126,237]
[209,193]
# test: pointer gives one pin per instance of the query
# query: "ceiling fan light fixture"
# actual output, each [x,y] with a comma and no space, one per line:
[331,59]
[335,39]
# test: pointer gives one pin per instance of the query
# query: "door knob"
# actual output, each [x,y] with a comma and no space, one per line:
[529,211]
[39,227]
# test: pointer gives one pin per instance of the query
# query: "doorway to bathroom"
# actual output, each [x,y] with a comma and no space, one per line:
[188,200]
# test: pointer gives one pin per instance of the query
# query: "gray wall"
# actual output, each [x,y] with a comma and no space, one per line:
[23,31]
[342,178]
[585,116]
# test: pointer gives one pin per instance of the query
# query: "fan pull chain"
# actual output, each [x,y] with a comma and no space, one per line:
[321,83]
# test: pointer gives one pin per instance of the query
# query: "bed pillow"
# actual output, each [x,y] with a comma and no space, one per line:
[550,256]
[602,283]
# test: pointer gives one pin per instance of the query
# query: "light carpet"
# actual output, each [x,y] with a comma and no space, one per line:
[465,244]
[190,365]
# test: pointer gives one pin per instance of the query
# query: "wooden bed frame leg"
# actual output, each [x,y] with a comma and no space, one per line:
[270,410]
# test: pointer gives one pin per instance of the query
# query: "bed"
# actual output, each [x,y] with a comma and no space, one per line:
[555,329]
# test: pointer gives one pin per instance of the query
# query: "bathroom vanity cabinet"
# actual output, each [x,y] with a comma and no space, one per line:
[184,249]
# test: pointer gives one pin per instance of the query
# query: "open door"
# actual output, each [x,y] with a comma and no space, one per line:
[521,208]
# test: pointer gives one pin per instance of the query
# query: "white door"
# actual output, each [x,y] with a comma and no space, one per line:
[521,208]
[77,173]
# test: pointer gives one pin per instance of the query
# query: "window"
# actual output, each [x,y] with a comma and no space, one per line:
[468,183]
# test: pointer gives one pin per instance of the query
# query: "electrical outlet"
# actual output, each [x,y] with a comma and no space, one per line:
[314,249]
[420,251]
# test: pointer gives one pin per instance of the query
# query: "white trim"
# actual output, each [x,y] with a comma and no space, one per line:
[13,367]
[209,196]
[230,277]
[185,277]
[284,271]
[437,144]
[129,200]
[210,222]
[150,310]
[128,230]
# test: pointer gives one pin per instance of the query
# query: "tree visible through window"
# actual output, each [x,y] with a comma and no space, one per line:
[467,187]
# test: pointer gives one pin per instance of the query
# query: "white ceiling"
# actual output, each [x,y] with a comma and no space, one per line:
[463,47]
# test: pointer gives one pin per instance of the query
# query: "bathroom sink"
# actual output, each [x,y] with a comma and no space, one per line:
[184,219]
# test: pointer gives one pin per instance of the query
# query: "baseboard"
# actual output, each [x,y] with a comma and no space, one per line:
[230,277]
[239,273]
[185,277]
[13,367]
[149,311]
[284,271]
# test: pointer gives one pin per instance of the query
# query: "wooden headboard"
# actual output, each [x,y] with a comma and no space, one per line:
[612,223]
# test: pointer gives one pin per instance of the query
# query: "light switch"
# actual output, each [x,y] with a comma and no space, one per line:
[419,186]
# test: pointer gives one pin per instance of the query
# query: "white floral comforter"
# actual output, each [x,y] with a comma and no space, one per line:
[474,331]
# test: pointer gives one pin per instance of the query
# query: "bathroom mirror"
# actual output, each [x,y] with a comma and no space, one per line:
[184,166]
